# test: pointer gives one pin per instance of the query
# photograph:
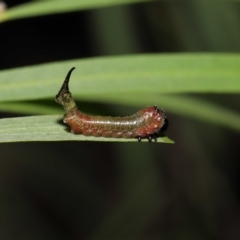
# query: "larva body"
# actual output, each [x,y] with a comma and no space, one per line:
[146,123]
[149,122]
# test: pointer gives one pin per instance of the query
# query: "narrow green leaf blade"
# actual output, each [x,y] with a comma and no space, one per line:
[39,8]
[143,73]
[47,128]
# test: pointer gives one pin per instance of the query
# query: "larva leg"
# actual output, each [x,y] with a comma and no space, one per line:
[154,137]
[139,139]
[150,138]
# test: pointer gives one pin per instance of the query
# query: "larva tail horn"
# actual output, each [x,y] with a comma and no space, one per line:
[64,89]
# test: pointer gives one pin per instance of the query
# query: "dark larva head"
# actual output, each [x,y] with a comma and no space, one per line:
[165,125]
[64,96]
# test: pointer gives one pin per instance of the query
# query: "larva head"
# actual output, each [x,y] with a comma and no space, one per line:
[155,123]
[162,119]
[64,97]
[165,125]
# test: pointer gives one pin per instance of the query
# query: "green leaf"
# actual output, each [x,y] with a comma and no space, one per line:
[145,73]
[39,8]
[47,128]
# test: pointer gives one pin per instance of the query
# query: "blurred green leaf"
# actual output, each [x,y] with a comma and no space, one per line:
[146,73]
[38,8]
[47,128]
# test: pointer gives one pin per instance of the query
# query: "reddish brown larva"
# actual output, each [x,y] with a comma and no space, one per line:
[150,122]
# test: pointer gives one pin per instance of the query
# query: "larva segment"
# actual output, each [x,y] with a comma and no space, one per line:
[149,122]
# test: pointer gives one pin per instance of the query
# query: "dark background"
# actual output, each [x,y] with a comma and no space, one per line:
[87,190]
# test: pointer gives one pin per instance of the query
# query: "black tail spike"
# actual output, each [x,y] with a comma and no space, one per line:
[65,87]
[66,81]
